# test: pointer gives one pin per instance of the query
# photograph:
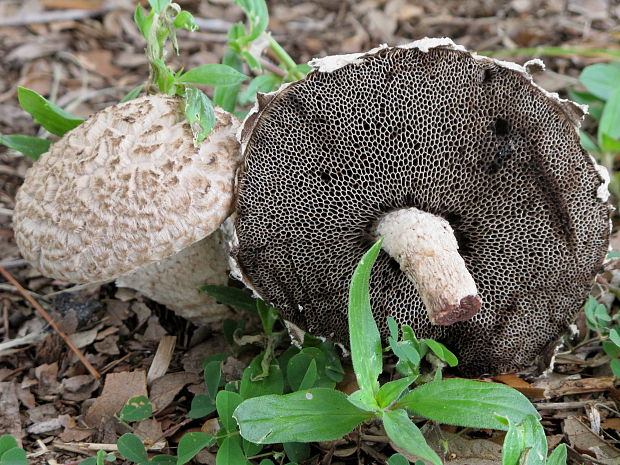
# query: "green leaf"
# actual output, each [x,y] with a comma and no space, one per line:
[89,461]
[165,77]
[304,68]
[365,339]
[199,112]
[610,121]
[263,83]
[226,97]
[465,402]
[136,409]
[133,93]
[587,143]
[226,403]
[213,376]
[397,459]
[309,377]
[14,456]
[406,435]
[185,20]
[602,314]
[614,336]
[615,367]
[266,462]
[364,400]
[47,114]
[406,352]
[163,459]
[192,443]
[230,452]
[601,79]
[32,147]
[301,372]
[258,17]
[393,327]
[390,392]
[251,60]
[333,367]
[202,405]
[141,19]
[595,105]
[609,145]
[231,296]
[268,316]
[611,349]
[158,5]
[535,441]
[297,451]
[7,442]
[558,456]
[131,447]
[249,448]
[252,387]
[213,74]
[317,414]
[442,352]
[513,443]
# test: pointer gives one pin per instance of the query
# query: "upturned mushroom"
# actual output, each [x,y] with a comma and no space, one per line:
[495,219]
[127,196]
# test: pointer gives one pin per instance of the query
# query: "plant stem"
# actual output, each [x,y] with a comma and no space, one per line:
[284,57]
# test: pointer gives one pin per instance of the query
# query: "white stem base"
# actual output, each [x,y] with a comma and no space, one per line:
[174,281]
[427,251]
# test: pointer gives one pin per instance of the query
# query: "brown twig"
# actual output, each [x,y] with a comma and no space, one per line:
[112,364]
[51,322]
[271,67]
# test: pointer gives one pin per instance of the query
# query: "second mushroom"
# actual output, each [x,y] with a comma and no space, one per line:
[495,220]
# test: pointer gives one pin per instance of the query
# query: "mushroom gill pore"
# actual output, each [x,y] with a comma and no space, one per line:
[432,127]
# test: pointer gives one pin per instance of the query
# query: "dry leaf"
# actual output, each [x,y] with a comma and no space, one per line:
[164,389]
[117,390]
[584,441]
[10,422]
[149,430]
[42,413]
[582,386]
[85,338]
[522,386]
[100,61]
[108,346]
[47,374]
[44,426]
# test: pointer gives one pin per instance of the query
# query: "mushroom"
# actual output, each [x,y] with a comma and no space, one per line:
[127,196]
[495,220]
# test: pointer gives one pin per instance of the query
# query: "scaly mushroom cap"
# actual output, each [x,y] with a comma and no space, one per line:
[125,189]
[429,126]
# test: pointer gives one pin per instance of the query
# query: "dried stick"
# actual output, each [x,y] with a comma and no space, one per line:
[51,322]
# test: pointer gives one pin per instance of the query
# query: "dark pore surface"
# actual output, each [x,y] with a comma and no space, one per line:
[465,139]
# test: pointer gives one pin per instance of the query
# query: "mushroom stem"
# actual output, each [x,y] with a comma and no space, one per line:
[427,251]
[174,281]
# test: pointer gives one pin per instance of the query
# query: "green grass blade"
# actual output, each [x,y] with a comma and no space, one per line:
[365,339]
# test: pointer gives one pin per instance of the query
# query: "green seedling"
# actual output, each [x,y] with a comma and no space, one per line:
[322,414]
